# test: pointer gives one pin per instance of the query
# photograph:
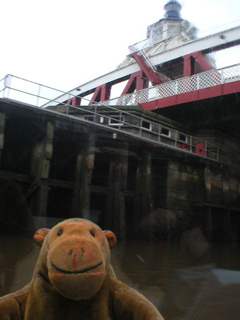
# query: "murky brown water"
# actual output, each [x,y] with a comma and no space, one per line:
[180,283]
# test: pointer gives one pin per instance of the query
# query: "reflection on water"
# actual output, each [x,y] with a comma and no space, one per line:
[181,284]
[17,260]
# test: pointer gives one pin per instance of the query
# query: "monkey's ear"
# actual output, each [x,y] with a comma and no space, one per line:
[111,238]
[40,235]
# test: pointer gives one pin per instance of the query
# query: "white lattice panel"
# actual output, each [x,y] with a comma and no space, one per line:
[231,74]
[189,84]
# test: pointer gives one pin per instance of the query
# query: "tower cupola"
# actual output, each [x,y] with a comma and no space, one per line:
[173,9]
[171,26]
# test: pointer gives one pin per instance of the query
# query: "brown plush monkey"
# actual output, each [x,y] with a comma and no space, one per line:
[73,279]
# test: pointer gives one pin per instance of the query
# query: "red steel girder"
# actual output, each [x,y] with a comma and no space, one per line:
[137,81]
[152,76]
[75,102]
[101,93]
[190,63]
[131,85]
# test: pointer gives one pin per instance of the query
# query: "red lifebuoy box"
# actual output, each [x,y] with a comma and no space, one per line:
[200,149]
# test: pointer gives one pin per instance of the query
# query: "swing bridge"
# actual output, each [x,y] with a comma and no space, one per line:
[108,114]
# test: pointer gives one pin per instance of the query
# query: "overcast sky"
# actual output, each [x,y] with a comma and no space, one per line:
[65,43]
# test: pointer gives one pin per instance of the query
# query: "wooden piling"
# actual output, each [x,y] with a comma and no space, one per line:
[2,125]
[209,224]
[143,200]
[40,167]
[117,184]
[83,177]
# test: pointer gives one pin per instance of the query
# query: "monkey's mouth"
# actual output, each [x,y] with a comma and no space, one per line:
[76,272]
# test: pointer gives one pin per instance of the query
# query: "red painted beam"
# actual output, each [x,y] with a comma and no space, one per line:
[131,84]
[101,93]
[203,61]
[75,102]
[141,81]
[189,66]
[105,92]
[152,76]
[190,61]
[137,81]
[96,96]
[213,92]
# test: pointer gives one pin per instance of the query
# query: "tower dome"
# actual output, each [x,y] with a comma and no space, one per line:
[173,9]
[171,26]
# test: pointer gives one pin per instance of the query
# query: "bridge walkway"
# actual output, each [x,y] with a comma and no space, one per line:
[205,85]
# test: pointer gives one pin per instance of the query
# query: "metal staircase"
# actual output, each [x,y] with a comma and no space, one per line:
[161,76]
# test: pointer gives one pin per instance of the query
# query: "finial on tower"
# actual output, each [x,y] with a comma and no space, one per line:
[173,8]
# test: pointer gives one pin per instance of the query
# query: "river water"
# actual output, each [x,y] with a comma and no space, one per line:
[180,282]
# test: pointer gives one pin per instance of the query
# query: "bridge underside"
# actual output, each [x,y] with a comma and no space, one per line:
[221,113]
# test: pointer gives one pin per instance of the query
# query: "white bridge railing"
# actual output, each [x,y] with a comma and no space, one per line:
[26,91]
[188,84]
[15,88]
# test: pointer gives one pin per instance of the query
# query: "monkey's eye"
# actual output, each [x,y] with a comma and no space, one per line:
[92,234]
[60,232]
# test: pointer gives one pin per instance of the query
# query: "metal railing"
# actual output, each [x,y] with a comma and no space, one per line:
[112,119]
[30,92]
[184,85]
[26,91]
[141,45]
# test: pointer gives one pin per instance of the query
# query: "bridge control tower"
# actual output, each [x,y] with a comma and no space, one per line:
[170,32]
[170,52]
[172,25]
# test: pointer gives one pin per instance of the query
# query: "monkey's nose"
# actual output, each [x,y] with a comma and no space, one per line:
[76,256]
[76,251]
